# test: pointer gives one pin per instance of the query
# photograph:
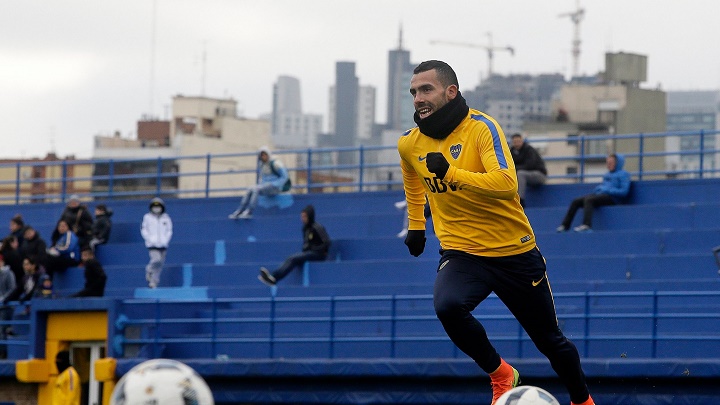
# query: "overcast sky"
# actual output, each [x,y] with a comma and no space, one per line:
[72,69]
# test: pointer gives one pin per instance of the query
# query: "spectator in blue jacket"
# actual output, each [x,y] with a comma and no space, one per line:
[613,190]
[64,251]
[274,180]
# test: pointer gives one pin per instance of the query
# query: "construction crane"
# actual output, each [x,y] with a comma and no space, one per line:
[489,48]
[576,17]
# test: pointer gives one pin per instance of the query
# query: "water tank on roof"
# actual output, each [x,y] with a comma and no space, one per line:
[626,68]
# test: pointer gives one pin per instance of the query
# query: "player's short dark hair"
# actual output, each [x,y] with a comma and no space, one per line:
[101,207]
[516,135]
[445,74]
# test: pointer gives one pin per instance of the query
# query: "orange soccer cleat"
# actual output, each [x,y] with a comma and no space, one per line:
[503,380]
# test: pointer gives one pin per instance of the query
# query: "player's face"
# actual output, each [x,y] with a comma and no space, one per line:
[304,218]
[428,93]
[516,142]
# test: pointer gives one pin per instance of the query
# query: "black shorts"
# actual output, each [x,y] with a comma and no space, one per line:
[520,281]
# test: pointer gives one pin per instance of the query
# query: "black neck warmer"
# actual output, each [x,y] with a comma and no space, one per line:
[442,122]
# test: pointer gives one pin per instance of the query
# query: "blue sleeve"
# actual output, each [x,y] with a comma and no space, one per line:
[621,186]
[281,177]
[69,245]
[76,247]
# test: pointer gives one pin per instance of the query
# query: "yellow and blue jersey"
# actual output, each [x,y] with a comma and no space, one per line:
[475,208]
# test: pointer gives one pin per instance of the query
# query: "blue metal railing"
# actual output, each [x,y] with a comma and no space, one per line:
[364,168]
[15,325]
[582,314]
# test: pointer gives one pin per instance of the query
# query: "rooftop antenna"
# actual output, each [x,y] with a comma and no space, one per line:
[203,61]
[52,140]
[152,59]
[400,39]
[576,17]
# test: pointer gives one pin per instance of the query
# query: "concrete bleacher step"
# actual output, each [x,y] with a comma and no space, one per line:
[632,217]
[292,287]
[268,227]
[369,224]
[232,279]
[127,214]
[697,191]
[630,266]
[636,241]
[269,251]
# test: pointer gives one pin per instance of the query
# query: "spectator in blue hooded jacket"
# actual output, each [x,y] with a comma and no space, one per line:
[274,180]
[65,250]
[613,190]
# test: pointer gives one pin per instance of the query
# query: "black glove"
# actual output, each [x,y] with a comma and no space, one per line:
[415,241]
[436,163]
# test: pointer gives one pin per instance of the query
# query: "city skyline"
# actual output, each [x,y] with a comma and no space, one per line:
[78,70]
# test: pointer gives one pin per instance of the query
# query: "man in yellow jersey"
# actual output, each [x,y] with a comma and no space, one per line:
[67,385]
[460,160]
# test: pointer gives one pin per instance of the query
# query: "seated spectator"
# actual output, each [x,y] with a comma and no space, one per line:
[101,227]
[402,205]
[274,180]
[614,189]
[529,165]
[33,245]
[95,277]
[35,283]
[7,286]
[9,249]
[79,220]
[65,249]
[17,227]
[316,244]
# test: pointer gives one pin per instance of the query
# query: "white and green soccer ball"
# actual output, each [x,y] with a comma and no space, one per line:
[161,382]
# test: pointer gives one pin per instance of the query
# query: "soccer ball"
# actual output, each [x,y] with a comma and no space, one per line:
[161,382]
[527,395]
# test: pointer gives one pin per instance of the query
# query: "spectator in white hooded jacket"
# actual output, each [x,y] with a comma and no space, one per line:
[157,232]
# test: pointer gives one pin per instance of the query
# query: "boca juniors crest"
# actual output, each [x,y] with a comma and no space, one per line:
[455,151]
